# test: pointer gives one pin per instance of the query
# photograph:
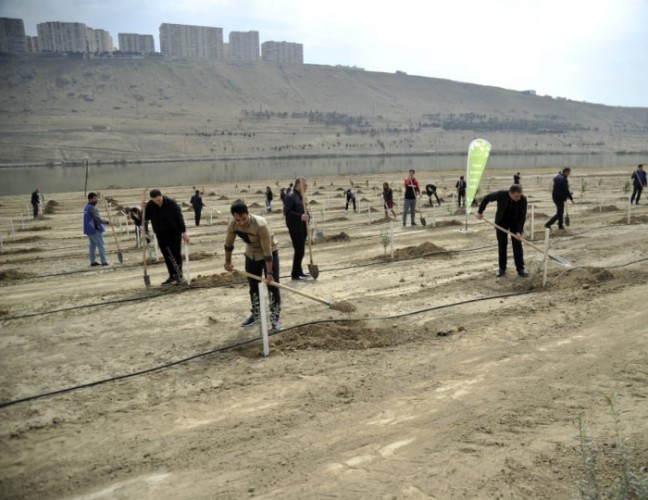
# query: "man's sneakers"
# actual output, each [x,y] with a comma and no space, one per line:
[302,277]
[522,274]
[250,321]
[169,281]
[500,273]
[275,325]
[95,264]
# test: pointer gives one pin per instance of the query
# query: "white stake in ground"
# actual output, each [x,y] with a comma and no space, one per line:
[369,212]
[433,215]
[263,324]
[545,263]
[187,261]
[138,241]
[629,210]
[391,238]
[12,227]
[211,216]
[155,247]
[533,221]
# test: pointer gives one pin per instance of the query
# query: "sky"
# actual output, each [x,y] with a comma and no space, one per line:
[585,50]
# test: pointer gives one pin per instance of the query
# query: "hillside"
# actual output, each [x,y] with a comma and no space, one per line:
[59,109]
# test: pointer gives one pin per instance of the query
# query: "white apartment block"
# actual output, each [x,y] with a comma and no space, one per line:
[283,52]
[99,41]
[56,36]
[199,42]
[135,43]
[12,35]
[244,46]
[32,46]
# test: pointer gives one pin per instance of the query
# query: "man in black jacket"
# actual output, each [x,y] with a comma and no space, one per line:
[297,219]
[511,215]
[560,195]
[169,227]
[197,204]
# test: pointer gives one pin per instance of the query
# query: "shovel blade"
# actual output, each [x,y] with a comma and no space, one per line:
[147,281]
[423,221]
[560,261]
[567,220]
[120,257]
[313,270]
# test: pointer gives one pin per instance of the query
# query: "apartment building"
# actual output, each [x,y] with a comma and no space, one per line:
[99,41]
[12,35]
[32,46]
[56,36]
[244,45]
[199,42]
[283,52]
[135,43]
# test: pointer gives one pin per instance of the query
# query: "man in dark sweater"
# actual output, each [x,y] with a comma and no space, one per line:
[197,204]
[169,227]
[560,195]
[297,219]
[638,183]
[511,215]
[35,201]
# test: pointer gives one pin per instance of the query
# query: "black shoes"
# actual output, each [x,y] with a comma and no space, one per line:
[95,264]
[250,321]
[500,273]
[302,277]
[169,281]
[105,264]
[547,226]
[523,274]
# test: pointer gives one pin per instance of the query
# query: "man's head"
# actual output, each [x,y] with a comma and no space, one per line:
[92,198]
[156,197]
[640,167]
[566,171]
[515,192]
[461,178]
[240,213]
[197,193]
[411,173]
[301,184]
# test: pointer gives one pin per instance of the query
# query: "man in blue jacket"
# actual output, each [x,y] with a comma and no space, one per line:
[93,228]
[638,183]
[169,227]
[511,214]
[560,195]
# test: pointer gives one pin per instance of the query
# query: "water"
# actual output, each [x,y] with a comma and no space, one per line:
[23,180]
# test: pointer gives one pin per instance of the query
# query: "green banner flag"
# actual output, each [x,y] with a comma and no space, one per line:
[478,152]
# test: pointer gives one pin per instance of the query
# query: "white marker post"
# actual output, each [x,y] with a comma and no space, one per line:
[391,238]
[138,237]
[629,211]
[187,261]
[155,247]
[12,227]
[369,212]
[211,216]
[546,258]
[433,215]
[263,324]
[532,221]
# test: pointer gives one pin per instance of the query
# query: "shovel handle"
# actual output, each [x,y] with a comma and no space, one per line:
[111,224]
[279,285]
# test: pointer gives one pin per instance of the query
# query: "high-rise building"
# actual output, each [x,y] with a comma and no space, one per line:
[200,42]
[12,35]
[56,36]
[283,52]
[135,43]
[99,40]
[32,46]
[244,45]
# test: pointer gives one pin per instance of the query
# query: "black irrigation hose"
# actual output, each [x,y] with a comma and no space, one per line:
[6,404]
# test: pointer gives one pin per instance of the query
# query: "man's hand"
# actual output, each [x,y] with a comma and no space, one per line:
[269,278]
[185,238]
[305,218]
[229,267]
[479,216]
[518,236]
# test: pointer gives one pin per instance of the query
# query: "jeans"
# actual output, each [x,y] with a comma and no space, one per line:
[411,206]
[97,243]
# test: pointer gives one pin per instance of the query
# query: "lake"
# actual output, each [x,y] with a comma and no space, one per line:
[23,180]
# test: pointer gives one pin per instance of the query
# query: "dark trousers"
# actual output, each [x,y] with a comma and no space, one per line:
[461,195]
[197,214]
[436,196]
[636,192]
[352,201]
[298,238]
[170,246]
[560,211]
[35,205]
[518,254]
[258,268]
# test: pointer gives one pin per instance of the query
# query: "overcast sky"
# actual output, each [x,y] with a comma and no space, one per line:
[586,50]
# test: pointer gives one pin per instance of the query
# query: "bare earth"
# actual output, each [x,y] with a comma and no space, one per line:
[438,386]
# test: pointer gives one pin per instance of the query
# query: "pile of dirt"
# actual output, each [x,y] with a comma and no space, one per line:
[223,197]
[217,279]
[382,220]
[337,237]
[27,239]
[422,250]
[313,202]
[244,191]
[212,194]
[199,256]
[255,205]
[579,277]
[12,274]
[259,192]
[50,207]
[604,208]
[634,219]
[36,228]
[337,219]
[13,251]
[448,223]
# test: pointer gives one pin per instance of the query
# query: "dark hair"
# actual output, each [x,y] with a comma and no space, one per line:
[565,170]
[92,195]
[639,166]
[411,171]
[239,207]
[155,193]
[197,192]
[515,188]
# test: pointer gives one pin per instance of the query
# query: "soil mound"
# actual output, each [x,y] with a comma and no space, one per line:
[36,228]
[255,205]
[12,274]
[337,219]
[50,207]
[217,279]
[198,255]
[422,250]
[582,276]
[604,208]
[223,197]
[448,223]
[337,237]
[27,239]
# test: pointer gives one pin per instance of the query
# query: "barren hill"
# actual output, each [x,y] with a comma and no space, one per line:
[61,109]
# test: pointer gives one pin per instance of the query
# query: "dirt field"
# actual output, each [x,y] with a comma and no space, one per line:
[445,383]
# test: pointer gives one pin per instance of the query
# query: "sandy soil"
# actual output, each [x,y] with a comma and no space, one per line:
[445,383]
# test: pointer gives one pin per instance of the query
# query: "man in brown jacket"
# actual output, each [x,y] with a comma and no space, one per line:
[261,254]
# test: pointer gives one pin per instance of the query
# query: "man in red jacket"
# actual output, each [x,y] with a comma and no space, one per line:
[412,190]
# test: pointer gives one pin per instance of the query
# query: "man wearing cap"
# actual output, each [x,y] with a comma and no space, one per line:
[261,255]
[169,227]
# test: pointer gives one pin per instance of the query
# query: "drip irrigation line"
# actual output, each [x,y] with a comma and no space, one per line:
[229,347]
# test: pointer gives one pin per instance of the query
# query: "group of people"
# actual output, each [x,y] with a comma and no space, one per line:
[261,251]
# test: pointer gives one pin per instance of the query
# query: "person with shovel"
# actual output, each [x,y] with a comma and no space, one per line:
[388,199]
[431,190]
[93,228]
[261,254]
[169,228]
[297,219]
[510,215]
[560,195]
[412,190]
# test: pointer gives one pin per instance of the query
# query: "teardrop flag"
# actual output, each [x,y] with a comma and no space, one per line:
[478,152]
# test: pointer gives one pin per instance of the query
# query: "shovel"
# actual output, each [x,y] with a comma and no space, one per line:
[187,262]
[119,254]
[312,268]
[340,306]
[421,218]
[567,219]
[558,260]
[147,278]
